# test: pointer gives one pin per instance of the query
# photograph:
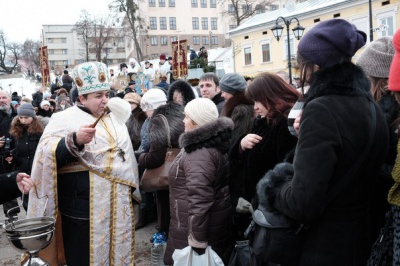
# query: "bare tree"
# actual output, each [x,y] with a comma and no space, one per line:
[239,10]
[10,53]
[85,30]
[30,54]
[133,22]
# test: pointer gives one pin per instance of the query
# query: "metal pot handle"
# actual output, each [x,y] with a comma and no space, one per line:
[11,220]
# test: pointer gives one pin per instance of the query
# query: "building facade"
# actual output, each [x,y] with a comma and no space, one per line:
[255,49]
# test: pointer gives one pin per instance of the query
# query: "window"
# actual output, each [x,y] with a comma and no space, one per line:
[203,3]
[386,24]
[214,24]
[171,3]
[204,39]
[64,40]
[64,51]
[231,10]
[232,27]
[50,40]
[273,7]
[52,63]
[204,23]
[196,40]
[173,38]
[195,3]
[161,3]
[163,23]
[65,62]
[163,40]
[154,40]
[292,51]
[260,9]
[79,61]
[195,23]
[51,51]
[213,3]
[154,55]
[153,23]
[247,9]
[172,23]
[247,56]
[362,24]
[152,3]
[214,40]
[266,52]
[120,39]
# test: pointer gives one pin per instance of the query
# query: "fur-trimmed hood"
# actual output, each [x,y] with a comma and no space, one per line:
[341,79]
[184,88]
[214,134]
[35,127]
[270,185]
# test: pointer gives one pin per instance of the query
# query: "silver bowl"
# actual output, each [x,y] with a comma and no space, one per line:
[30,226]
[32,244]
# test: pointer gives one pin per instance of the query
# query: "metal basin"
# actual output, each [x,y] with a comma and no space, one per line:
[33,243]
[30,226]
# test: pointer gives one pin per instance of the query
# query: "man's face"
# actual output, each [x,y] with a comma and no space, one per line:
[147,65]
[95,102]
[5,101]
[208,89]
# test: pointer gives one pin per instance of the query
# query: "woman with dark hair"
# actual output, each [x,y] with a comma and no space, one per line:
[268,143]
[180,92]
[26,129]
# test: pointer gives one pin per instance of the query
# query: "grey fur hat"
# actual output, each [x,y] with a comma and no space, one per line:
[376,58]
[233,83]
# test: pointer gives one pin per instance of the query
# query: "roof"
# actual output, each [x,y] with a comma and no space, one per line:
[299,10]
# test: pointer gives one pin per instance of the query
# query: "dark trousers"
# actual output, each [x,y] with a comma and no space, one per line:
[163,215]
[76,236]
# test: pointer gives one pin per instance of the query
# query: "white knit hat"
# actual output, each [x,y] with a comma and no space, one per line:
[44,102]
[201,111]
[152,99]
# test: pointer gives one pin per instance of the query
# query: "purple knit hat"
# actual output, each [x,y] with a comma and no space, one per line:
[331,42]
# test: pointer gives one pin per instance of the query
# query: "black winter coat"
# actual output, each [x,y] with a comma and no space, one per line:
[24,151]
[334,131]
[5,124]
[201,212]
[158,134]
[8,187]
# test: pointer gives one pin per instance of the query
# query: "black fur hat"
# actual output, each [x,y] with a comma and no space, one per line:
[182,87]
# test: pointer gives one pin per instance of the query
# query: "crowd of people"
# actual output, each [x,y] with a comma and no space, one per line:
[87,145]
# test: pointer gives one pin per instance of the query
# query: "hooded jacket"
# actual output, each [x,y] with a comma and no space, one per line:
[201,212]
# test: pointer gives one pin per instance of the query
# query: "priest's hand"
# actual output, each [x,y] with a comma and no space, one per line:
[85,134]
[24,183]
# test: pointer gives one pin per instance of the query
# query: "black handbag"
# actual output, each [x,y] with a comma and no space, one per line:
[242,255]
[276,238]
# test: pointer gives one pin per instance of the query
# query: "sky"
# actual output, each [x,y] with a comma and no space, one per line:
[23,19]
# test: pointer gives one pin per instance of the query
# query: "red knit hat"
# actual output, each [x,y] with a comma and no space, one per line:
[394,75]
[162,57]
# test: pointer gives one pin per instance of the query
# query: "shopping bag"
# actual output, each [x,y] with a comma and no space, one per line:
[188,257]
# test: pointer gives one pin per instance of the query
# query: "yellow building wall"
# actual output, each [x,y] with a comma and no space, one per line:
[256,37]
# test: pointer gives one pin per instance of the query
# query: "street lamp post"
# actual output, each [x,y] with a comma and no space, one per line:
[297,31]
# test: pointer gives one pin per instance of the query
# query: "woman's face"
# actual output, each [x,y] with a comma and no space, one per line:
[260,109]
[46,107]
[226,95]
[189,124]
[149,113]
[178,98]
[25,120]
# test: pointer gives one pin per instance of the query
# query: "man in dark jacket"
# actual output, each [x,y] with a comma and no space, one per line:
[209,88]
[12,184]
[7,113]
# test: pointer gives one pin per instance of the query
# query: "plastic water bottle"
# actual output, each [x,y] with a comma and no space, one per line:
[158,249]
